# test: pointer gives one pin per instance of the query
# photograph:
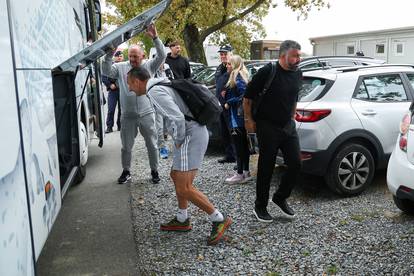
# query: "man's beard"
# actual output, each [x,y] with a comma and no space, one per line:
[293,66]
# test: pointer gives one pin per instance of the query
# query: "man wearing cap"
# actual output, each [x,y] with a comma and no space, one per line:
[113,97]
[222,77]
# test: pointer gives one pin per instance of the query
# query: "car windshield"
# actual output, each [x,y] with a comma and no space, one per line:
[312,89]
[206,76]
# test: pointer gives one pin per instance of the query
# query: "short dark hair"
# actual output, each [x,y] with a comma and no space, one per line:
[287,45]
[174,43]
[139,73]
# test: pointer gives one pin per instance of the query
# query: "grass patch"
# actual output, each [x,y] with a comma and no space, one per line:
[358,218]
[247,251]
[332,269]
[273,274]
[306,253]
[343,222]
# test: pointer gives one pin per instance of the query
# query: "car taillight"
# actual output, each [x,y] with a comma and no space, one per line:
[404,126]
[311,115]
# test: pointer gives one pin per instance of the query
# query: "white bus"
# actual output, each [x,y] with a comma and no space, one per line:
[50,110]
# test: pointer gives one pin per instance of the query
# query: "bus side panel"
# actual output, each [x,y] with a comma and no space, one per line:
[47,32]
[40,151]
[44,34]
[15,236]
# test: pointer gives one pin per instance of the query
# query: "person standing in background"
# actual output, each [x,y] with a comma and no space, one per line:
[179,65]
[236,86]
[222,77]
[113,97]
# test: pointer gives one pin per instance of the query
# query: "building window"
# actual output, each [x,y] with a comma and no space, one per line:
[350,49]
[380,49]
[399,49]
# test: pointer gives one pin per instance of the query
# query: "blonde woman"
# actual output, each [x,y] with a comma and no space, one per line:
[235,88]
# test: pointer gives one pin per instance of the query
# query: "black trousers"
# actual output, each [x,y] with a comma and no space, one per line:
[113,101]
[271,138]
[239,136]
[225,135]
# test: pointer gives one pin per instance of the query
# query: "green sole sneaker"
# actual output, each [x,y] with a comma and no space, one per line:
[218,230]
[176,226]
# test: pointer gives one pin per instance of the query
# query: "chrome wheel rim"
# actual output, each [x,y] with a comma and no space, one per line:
[353,171]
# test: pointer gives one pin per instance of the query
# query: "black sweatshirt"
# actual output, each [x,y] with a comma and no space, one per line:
[180,66]
[278,103]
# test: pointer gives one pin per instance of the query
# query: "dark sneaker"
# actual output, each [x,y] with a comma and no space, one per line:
[175,225]
[262,215]
[284,207]
[217,232]
[226,160]
[155,177]
[125,177]
[109,130]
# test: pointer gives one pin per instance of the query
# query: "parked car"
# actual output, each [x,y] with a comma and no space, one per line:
[347,122]
[196,68]
[400,174]
[324,62]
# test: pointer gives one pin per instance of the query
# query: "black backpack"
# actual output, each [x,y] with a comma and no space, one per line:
[203,104]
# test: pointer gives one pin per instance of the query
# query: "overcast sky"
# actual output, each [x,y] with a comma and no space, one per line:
[344,16]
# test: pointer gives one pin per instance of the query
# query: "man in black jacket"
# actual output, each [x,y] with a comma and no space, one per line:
[113,97]
[222,77]
[275,126]
[179,65]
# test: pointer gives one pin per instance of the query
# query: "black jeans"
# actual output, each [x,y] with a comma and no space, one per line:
[272,138]
[113,101]
[239,136]
[225,135]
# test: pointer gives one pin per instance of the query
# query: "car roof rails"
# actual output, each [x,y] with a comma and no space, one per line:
[319,57]
[356,68]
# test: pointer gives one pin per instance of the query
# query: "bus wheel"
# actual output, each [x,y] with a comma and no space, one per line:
[83,148]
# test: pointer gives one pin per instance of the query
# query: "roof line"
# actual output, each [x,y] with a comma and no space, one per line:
[401,29]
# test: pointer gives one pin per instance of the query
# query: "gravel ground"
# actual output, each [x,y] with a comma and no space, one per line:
[330,235]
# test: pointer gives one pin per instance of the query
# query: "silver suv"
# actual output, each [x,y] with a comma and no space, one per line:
[347,121]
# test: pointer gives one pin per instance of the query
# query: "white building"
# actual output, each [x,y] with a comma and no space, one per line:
[392,45]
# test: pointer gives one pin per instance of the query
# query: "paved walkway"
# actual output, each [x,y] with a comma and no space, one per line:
[93,232]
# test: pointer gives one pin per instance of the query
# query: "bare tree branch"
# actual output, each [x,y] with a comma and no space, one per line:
[224,22]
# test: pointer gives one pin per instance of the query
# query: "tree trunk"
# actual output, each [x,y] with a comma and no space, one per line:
[193,44]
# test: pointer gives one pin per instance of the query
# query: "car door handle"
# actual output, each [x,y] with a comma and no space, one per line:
[369,112]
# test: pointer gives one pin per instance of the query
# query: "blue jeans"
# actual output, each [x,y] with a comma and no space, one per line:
[113,101]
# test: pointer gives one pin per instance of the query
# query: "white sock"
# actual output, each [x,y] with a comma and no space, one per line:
[182,215]
[216,216]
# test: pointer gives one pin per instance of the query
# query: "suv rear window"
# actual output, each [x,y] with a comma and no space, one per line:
[313,89]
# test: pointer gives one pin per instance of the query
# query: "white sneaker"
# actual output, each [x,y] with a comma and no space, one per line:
[235,179]
[247,176]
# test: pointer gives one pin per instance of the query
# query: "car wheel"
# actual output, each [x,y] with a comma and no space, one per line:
[405,205]
[351,170]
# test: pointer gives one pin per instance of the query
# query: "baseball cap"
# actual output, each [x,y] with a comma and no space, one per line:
[225,48]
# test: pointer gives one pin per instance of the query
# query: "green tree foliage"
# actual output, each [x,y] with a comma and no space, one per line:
[192,22]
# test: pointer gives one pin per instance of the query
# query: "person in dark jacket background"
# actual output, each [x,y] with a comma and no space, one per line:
[179,65]
[236,87]
[222,76]
[113,98]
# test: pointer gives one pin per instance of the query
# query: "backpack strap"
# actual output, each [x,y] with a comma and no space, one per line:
[186,117]
[269,80]
[259,98]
